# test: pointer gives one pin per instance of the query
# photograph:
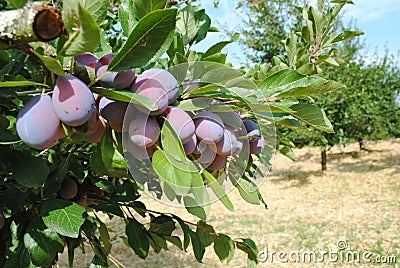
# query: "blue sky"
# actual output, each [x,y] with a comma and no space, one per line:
[379,19]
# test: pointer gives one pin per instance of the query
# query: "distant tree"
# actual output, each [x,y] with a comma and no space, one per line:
[266,25]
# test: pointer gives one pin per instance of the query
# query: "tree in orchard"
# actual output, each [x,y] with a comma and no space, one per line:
[107,103]
[347,108]
[266,24]
[365,110]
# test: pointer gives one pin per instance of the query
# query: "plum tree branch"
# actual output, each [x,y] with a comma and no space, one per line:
[35,21]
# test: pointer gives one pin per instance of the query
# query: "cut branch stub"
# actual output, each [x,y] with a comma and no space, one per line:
[48,24]
[34,22]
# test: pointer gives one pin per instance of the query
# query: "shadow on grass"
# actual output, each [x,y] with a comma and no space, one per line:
[295,178]
[363,165]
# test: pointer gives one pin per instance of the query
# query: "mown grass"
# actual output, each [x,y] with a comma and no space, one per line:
[357,200]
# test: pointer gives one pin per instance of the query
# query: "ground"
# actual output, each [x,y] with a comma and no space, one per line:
[355,204]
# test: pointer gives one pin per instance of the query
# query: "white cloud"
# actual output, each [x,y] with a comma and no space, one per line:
[366,10]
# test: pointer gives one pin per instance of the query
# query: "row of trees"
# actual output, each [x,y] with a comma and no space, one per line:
[364,110]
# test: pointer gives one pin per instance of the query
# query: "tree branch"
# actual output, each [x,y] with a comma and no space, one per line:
[33,22]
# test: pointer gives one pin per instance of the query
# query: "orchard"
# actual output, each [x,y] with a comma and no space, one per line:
[103,102]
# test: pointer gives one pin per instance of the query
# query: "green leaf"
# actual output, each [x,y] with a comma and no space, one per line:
[248,191]
[176,46]
[72,244]
[111,207]
[157,242]
[312,115]
[126,17]
[29,171]
[63,216]
[137,238]
[224,247]
[175,240]
[185,229]
[162,225]
[18,3]
[20,258]
[172,145]
[98,262]
[114,162]
[150,38]
[206,233]
[97,9]
[104,47]
[186,24]
[179,59]
[141,8]
[104,236]
[195,104]
[347,34]
[54,180]
[126,96]
[203,23]
[217,48]
[196,208]
[290,83]
[218,58]
[201,90]
[42,243]
[21,84]
[291,48]
[318,19]
[198,247]
[85,33]
[248,246]
[178,179]
[218,190]
[51,64]
[96,162]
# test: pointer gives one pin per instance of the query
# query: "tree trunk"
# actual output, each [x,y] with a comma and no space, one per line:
[323,159]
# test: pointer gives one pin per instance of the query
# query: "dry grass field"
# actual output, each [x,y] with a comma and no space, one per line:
[357,201]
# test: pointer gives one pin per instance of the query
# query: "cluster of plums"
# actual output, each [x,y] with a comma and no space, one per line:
[206,136]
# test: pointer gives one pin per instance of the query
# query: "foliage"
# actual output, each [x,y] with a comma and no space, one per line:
[40,222]
[365,109]
[266,24]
